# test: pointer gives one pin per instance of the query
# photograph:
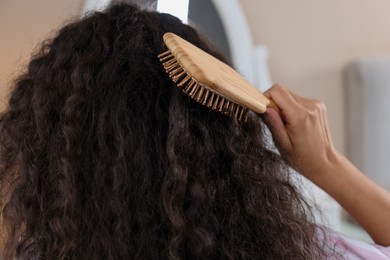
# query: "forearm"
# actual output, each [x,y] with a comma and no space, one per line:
[301,132]
[366,201]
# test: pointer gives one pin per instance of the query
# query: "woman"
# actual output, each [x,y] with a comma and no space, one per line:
[102,157]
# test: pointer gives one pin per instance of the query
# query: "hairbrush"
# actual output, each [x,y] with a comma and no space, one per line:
[209,81]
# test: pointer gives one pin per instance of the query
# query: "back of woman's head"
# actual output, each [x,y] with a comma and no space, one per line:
[101,156]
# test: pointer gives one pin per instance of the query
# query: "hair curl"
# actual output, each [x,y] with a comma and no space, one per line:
[102,157]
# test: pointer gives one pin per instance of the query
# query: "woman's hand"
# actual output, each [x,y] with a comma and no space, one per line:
[300,130]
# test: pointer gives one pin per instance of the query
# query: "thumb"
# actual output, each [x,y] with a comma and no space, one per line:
[278,130]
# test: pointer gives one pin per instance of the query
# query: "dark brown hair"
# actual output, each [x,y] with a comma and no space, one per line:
[102,157]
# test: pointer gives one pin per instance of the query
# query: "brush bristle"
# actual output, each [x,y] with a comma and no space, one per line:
[200,92]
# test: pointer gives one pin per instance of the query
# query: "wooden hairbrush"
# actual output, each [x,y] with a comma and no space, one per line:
[210,81]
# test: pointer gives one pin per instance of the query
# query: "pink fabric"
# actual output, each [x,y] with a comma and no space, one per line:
[354,249]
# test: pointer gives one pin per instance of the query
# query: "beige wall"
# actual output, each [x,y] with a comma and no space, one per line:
[23,24]
[310,43]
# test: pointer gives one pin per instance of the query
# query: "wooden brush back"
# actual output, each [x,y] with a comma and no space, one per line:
[215,74]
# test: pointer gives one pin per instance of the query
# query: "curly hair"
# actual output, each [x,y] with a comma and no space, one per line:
[102,157]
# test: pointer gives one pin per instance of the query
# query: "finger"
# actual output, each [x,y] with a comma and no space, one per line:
[295,96]
[288,106]
[305,102]
[279,133]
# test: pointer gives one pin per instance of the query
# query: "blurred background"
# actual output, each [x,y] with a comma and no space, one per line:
[334,51]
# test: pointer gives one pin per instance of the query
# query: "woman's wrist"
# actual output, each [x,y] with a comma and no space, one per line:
[329,171]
